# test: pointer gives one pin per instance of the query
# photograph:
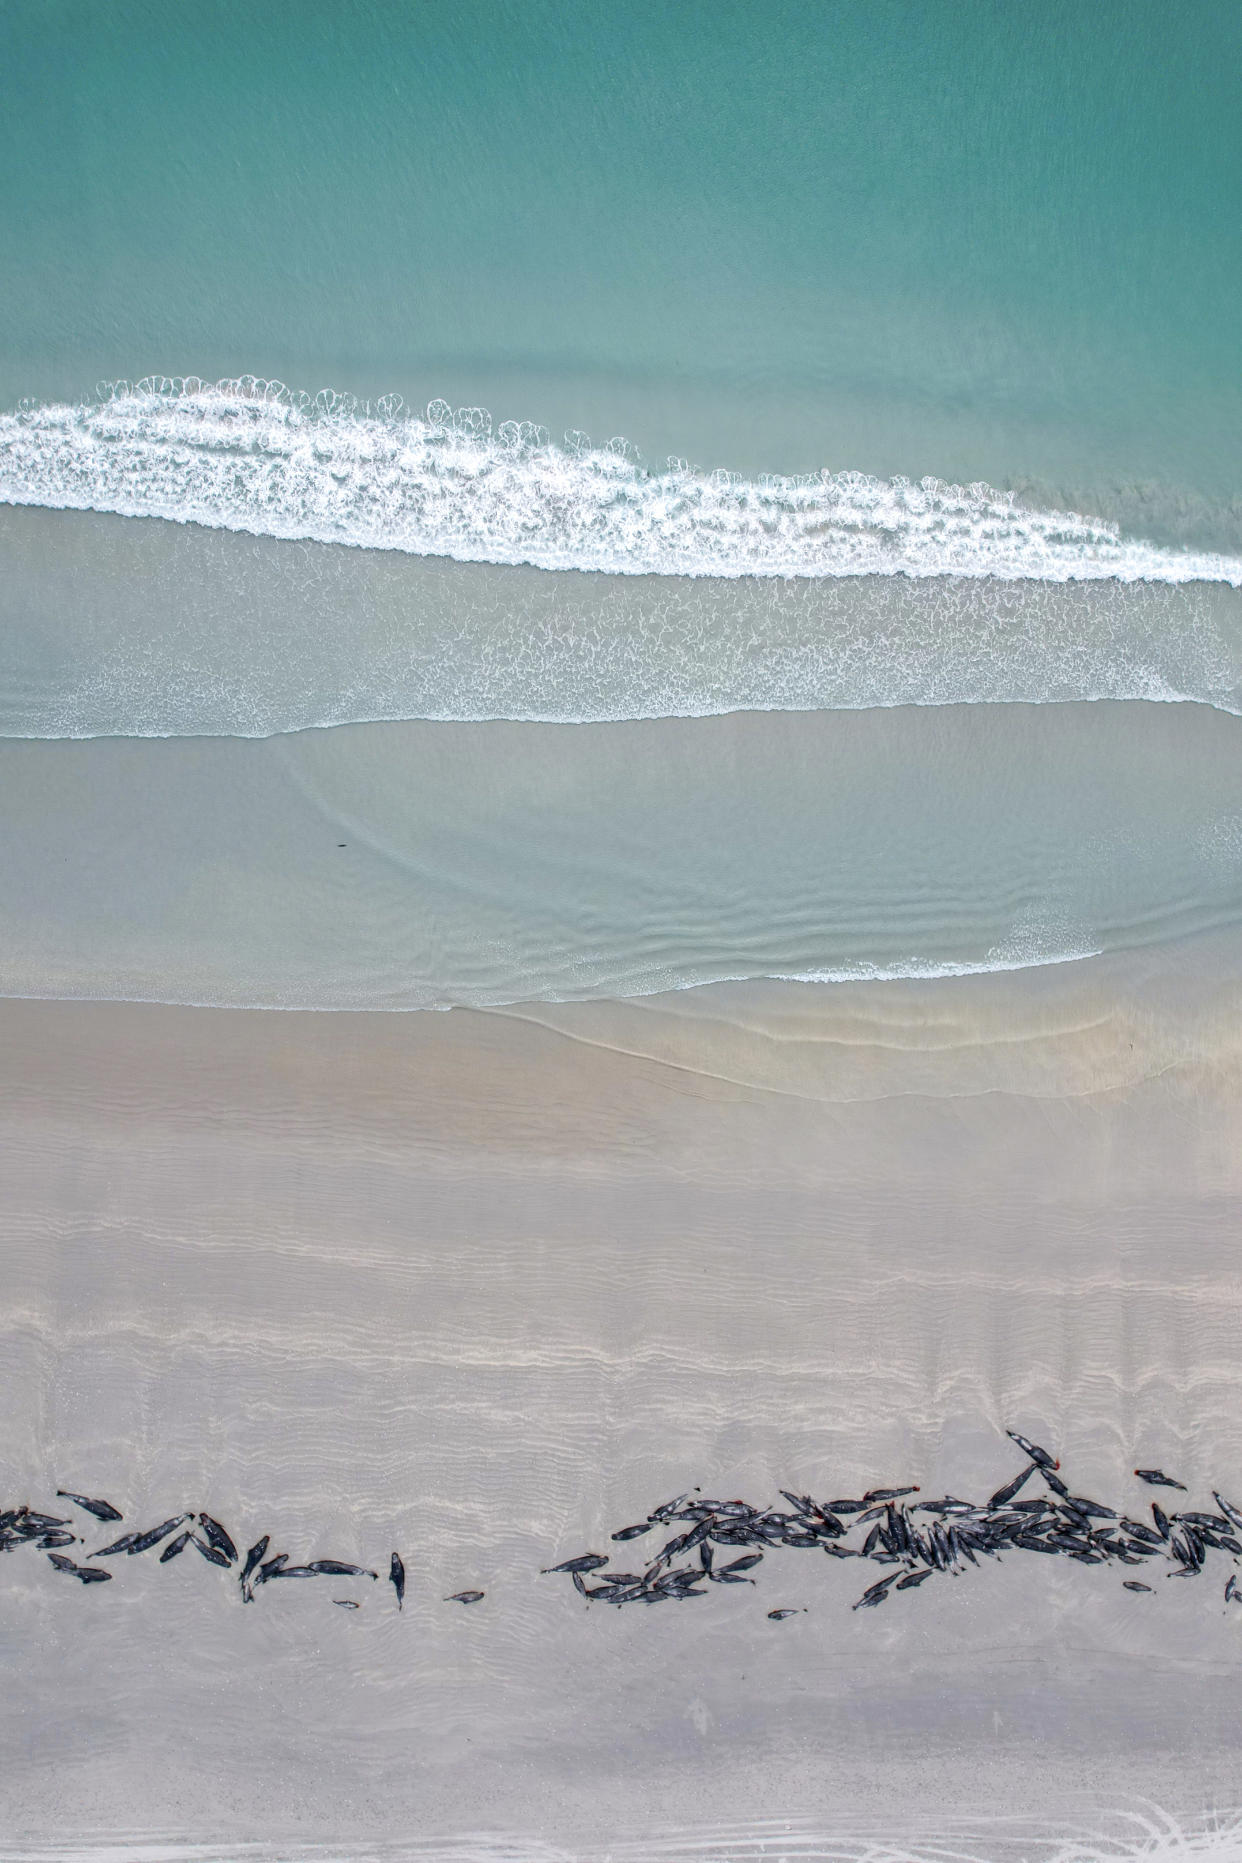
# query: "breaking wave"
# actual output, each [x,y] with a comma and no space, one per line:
[249,455]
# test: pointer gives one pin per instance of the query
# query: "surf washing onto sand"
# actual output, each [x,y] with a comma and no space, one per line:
[495,574]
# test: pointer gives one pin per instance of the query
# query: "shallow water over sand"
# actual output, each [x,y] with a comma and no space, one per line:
[128,627]
[419,865]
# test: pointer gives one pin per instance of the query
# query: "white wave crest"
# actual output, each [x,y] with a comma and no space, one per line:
[248,455]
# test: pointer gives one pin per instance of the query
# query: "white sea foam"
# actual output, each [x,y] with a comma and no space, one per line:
[915,969]
[249,456]
[1122,1837]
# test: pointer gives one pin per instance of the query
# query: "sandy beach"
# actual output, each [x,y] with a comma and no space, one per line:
[486,1286]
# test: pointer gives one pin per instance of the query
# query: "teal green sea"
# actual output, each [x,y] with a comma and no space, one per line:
[979,240]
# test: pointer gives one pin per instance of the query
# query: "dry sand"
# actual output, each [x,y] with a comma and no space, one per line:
[483,1288]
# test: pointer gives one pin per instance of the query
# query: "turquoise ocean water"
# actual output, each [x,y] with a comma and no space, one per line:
[596,365]
[979,241]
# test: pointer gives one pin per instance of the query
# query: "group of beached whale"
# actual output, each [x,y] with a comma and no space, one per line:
[21,1526]
[914,1540]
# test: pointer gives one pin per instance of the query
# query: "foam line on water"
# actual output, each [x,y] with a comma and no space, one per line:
[249,455]
[606,988]
[1148,1836]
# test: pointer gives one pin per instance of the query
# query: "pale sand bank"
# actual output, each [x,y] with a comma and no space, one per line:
[484,1290]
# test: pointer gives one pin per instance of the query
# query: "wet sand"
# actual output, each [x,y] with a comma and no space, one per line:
[482,1289]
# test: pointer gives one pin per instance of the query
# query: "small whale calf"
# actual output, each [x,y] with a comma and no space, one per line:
[252,1559]
[102,1510]
[216,1536]
[143,1542]
[876,1594]
[122,1545]
[89,1574]
[396,1578]
[1004,1495]
[30,1524]
[214,1555]
[1033,1450]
